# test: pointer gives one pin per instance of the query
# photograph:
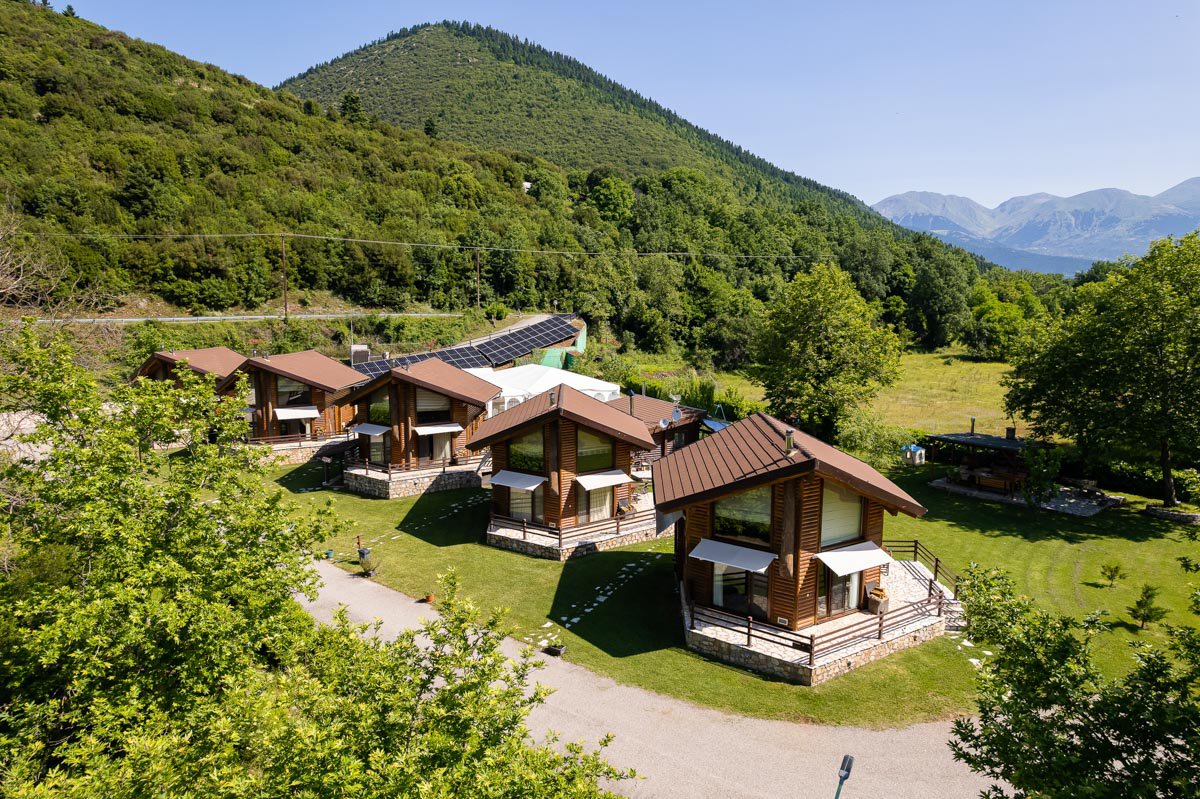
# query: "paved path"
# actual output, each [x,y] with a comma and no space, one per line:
[687,751]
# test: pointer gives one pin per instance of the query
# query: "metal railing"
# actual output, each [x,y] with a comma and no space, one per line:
[913,549]
[301,438]
[418,464]
[571,533]
[815,645]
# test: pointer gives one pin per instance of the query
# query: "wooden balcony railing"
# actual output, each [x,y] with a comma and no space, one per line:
[301,438]
[617,522]
[913,549]
[419,464]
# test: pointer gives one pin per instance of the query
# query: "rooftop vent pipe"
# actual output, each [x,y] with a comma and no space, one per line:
[631,402]
[788,439]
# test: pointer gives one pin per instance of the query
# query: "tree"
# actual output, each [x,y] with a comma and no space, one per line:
[69,11]
[351,108]
[152,645]
[1112,572]
[822,351]
[1049,725]
[431,127]
[1124,367]
[1144,611]
[613,198]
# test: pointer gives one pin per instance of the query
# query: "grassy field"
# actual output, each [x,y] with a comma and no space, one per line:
[937,392]
[635,636]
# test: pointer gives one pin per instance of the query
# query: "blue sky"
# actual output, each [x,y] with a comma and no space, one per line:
[987,100]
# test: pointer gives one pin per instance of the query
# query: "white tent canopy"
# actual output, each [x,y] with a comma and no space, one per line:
[522,382]
[854,558]
[372,430]
[517,480]
[752,560]
[297,412]
[612,477]
[437,429]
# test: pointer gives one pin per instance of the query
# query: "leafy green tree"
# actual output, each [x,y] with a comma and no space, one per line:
[1049,725]
[1144,609]
[821,351]
[351,108]
[69,11]
[613,198]
[152,645]
[937,309]
[1122,368]
[431,127]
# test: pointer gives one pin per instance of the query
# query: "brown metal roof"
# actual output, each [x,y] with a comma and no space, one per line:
[570,404]
[751,452]
[652,410]
[309,367]
[219,361]
[437,376]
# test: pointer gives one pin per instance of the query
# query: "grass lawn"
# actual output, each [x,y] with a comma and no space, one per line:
[636,638]
[939,392]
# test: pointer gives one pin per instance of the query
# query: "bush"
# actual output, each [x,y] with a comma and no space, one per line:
[1146,479]
[865,436]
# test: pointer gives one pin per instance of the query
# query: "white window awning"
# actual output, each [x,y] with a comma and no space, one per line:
[517,480]
[613,477]
[372,430]
[752,560]
[297,412]
[854,558]
[436,429]
[667,520]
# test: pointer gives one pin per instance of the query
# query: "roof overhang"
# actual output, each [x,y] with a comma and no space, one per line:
[297,412]
[854,558]
[752,560]
[517,480]
[437,429]
[612,477]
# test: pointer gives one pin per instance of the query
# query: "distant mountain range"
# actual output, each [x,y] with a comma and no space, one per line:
[1048,233]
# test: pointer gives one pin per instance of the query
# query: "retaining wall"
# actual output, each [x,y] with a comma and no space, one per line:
[397,486]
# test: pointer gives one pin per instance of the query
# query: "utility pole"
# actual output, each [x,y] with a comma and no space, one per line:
[283,252]
[477,274]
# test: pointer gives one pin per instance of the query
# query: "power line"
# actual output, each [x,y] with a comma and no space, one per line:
[477,248]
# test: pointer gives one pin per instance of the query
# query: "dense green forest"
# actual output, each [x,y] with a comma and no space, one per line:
[101,134]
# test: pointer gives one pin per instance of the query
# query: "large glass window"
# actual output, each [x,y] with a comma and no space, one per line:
[379,410]
[836,594]
[432,407]
[526,453]
[593,452]
[841,515]
[740,591]
[526,505]
[292,392]
[745,515]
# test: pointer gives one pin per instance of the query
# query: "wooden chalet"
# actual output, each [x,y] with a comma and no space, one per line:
[775,525]
[562,462]
[418,414]
[671,425]
[296,396]
[165,365]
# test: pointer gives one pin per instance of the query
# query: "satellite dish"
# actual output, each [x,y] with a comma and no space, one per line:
[664,423]
[676,415]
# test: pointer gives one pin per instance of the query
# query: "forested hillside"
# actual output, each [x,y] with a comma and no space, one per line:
[101,134]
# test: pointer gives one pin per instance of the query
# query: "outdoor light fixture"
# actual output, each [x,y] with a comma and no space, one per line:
[844,773]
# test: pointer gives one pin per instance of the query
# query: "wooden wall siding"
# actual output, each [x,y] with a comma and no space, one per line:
[460,415]
[622,459]
[781,580]
[499,493]
[808,491]
[270,390]
[567,505]
[872,531]
[395,420]
[698,574]
[324,421]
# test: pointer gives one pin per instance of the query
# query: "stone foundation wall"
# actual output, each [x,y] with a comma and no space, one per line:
[569,550]
[1177,516]
[291,454]
[409,486]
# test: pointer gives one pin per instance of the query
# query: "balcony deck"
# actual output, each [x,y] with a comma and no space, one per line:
[638,523]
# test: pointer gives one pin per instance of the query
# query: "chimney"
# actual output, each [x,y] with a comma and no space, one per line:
[631,402]
[789,442]
[1010,433]
[552,392]
[972,424]
[643,389]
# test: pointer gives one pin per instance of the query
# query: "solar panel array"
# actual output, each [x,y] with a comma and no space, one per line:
[495,351]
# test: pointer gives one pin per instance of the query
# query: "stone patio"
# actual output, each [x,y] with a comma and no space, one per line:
[1069,500]
[787,654]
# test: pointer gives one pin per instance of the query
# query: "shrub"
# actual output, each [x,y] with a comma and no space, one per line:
[1112,572]
[1144,611]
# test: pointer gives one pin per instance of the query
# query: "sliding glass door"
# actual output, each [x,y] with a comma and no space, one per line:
[741,592]
[837,594]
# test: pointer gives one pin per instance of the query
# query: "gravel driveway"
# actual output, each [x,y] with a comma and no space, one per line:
[687,751]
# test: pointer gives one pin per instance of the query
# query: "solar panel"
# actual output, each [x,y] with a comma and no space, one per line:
[495,351]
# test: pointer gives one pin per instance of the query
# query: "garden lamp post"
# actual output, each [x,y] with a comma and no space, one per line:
[844,773]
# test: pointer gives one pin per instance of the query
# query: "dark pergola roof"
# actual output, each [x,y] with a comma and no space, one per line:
[985,441]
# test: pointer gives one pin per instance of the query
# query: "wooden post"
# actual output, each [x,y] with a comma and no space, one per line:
[691,614]
[880,636]
[941,598]
[524,530]
[812,649]
[937,565]
[560,544]
[749,630]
